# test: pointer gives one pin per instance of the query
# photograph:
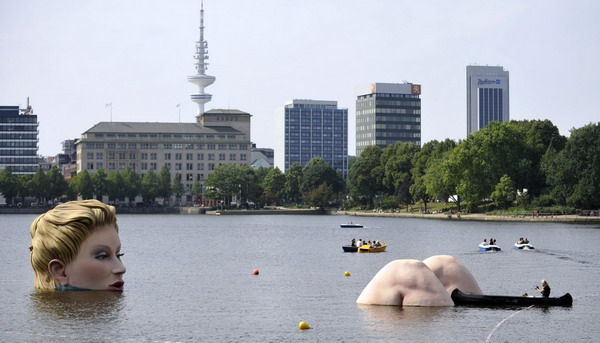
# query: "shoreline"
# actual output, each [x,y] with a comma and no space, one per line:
[566,218]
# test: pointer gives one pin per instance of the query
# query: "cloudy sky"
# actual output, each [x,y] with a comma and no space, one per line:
[72,57]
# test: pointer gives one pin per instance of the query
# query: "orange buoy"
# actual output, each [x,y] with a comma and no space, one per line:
[255,272]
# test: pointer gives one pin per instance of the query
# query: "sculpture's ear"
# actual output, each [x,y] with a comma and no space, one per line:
[57,269]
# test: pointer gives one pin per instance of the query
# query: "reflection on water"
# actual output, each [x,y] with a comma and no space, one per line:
[101,306]
[412,320]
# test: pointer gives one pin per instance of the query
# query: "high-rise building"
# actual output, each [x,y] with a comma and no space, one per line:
[316,128]
[18,139]
[387,113]
[487,96]
[190,150]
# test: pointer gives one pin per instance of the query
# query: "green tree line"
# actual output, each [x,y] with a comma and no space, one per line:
[516,163]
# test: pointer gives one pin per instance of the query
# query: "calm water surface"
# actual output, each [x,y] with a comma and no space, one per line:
[189,279]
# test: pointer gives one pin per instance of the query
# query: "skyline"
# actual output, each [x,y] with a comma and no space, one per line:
[73,58]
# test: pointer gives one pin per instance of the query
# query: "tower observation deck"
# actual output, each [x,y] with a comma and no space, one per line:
[200,79]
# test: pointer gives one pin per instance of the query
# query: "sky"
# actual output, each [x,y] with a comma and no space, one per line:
[73,57]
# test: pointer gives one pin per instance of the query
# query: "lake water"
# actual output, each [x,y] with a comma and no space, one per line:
[189,279]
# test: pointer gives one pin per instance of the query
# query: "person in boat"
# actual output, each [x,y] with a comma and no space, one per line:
[353,243]
[360,242]
[526,241]
[545,290]
[411,282]
[484,242]
[521,241]
[76,246]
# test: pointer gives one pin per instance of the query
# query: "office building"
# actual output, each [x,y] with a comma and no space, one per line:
[487,96]
[315,128]
[18,139]
[387,113]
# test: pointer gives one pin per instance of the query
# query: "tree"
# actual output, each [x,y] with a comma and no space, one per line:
[317,172]
[164,183]
[116,186]
[8,184]
[57,185]
[319,196]
[39,185]
[228,180]
[149,187]
[479,162]
[365,176]
[196,190]
[575,171]
[132,184]
[274,184]
[83,185]
[396,160]
[24,186]
[99,183]
[293,181]
[177,187]
[505,193]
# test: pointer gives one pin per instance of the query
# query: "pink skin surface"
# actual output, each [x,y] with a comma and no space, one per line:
[97,265]
[416,283]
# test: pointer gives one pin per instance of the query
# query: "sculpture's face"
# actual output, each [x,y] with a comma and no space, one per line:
[98,265]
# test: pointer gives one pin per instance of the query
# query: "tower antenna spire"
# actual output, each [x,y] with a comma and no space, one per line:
[200,79]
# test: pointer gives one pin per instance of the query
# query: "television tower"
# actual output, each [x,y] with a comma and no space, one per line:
[201,79]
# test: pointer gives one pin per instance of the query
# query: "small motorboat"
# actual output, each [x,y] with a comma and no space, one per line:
[461,298]
[489,247]
[524,246]
[368,248]
[351,225]
[350,248]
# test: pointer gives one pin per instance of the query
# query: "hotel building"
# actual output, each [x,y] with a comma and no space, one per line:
[487,96]
[387,113]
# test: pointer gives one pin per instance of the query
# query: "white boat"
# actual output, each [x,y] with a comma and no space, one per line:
[524,246]
[489,247]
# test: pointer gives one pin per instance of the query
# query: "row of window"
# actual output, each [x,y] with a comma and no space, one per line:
[387,127]
[315,128]
[18,144]
[324,142]
[164,136]
[368,135]
[166,146]
[19,119]
[131,155]
[406,119]
[146,166]
[21,160]
[13,128]
[22,169]
[18,152]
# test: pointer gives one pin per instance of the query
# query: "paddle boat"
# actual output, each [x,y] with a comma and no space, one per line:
[461,298]
[351,225]
[368,248]
[489,247]
[524,246]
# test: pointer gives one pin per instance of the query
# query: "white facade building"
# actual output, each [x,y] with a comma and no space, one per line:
[487,96]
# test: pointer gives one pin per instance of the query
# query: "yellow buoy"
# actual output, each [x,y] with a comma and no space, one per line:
[346,273]
[303,325]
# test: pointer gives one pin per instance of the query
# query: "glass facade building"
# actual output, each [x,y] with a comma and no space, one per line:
[18,140]
[315,128]
[487,96]
[387,113]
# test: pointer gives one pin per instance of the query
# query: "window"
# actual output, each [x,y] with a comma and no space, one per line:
[132,155]
[221,157]
[189,156]
[189,177]
[211,157]
[177,166]
[121,155]
[99,156]
[189,166]
[222,146]
[90,165]
[232,157]
[153,166]
[210,146]
[178,156]
[144,156]
[243,157]
[200,166]
[153,156]
[90,156]
[200,156]
[168,156]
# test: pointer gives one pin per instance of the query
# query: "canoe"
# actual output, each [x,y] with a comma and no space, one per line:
[368,248]
[351,225]
[526,246]
[489,247]
[461,298]
[350,248]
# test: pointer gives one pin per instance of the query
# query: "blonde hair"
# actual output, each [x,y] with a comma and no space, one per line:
[58,234]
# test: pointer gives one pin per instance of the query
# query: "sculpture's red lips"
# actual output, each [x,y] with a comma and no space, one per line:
[117,286]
